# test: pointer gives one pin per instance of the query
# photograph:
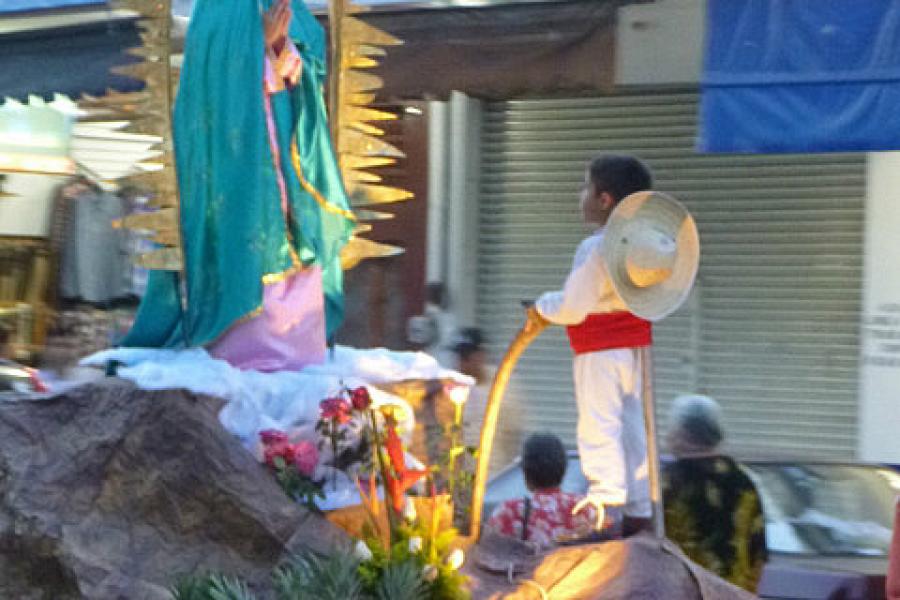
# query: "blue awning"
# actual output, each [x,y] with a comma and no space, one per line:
[801,76]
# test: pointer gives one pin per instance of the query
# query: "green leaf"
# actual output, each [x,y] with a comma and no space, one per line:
[210,587]
[332,577]
[402,581]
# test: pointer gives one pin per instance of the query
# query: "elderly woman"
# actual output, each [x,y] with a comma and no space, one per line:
[713,511]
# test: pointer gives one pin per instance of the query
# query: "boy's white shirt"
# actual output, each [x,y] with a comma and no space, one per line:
[588,288]
[611,437]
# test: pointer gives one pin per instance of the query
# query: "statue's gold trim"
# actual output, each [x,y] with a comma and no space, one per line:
[312,191]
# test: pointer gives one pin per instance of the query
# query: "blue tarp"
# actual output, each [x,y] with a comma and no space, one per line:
[801,76]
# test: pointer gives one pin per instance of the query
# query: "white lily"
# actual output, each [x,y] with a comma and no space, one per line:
[415,545]
[456,559]
[459,394]
[362,552]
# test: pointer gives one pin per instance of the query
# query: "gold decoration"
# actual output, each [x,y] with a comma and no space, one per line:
[360,62]
[168,258]
[365,194]
[367,50]
[372,215]
[358,113]
[356,31]
[355,46]
[359,249]
[359,144]
[361,82]
[349,161]
[361,177]
[149,111]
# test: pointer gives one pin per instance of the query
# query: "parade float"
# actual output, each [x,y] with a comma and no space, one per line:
[185,476]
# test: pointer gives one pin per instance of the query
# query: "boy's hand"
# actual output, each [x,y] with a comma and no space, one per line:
[534,316]
[591,501]
[534,319]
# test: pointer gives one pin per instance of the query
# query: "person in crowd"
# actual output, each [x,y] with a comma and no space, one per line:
[545,517]
[712,509]
[436,310]
[420,333]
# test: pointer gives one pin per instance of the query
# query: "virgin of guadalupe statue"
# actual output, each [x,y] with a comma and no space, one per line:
[264,213]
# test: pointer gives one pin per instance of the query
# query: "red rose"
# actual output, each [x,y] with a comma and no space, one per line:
[360,398]
[273,436]
[281,450]
[335,408]
[306,457]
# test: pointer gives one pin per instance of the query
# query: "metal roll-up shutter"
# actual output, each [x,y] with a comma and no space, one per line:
[772,329]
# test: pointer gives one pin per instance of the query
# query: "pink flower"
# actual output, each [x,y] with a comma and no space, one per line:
[306,457]
[360,398]
[335,408]
[273,436]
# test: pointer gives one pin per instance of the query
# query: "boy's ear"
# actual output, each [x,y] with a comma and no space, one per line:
[607,202]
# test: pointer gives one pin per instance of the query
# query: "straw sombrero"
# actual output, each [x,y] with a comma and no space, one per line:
[652,252]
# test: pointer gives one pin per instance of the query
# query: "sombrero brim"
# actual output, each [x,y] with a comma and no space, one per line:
[664,213]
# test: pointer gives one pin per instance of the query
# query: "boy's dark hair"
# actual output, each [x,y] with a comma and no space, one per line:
[544,461]
[619,175]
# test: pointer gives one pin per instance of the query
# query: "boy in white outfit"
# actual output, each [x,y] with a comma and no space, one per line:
[606,338]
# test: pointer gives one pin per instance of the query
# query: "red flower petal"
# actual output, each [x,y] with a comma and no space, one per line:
[360,398]
[394,448]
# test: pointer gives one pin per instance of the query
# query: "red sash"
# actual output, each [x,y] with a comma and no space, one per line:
[608,331]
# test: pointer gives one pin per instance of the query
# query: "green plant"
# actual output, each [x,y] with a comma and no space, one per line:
[332,577]
[210,587]
[402,581]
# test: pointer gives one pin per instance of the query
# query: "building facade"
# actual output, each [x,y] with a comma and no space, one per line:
[793,322]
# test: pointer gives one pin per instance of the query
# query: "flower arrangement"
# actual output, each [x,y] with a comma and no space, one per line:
[397,549]
[294,466]
[407,541]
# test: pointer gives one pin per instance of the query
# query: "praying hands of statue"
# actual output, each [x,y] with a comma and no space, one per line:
[276,22]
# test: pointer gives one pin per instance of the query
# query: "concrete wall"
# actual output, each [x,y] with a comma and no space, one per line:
[660,43]
[879,395]
[453,192]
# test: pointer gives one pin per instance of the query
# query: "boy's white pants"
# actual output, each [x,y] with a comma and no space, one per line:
[612,440]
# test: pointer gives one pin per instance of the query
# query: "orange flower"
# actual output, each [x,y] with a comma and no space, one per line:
[399,478]
[397,486]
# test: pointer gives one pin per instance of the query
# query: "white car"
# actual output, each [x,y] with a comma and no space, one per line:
[828,525]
